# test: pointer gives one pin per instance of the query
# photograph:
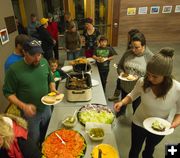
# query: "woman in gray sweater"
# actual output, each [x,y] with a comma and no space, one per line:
[133,62]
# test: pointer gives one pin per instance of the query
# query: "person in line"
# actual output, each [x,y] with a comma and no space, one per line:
[48,42]
[14,139]
[72,41]
[53,30]
[133,62]
[33,26]
[21,29]
[91,35]
[103,55]
[26,82]
[55,72]
[160,94]
[17,55]
[117,91]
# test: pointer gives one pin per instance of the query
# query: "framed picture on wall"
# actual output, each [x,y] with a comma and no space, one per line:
[131,11]
[154,10]
[177,9]
[4,36]
[142,10]
[167,9]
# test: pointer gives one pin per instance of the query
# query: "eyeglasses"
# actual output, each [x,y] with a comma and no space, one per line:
[35,43]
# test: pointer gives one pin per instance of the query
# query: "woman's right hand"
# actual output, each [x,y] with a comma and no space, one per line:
[29,110]
[117,106]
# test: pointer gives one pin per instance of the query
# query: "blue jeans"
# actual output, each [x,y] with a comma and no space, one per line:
[38,124]
[73,55]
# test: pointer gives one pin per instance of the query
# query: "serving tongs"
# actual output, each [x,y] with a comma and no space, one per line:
[62,141]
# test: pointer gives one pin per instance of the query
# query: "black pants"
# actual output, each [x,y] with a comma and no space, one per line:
[48,54]
[56,51]
[135,103]
[138,136]
[103,75]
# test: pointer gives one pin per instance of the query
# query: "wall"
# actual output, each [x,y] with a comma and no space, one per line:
[157,28]
[33,6]
[5,50]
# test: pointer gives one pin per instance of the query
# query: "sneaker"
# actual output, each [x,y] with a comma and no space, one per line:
[113,98]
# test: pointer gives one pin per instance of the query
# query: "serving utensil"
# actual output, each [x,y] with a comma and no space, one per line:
[73,117]
[62,141]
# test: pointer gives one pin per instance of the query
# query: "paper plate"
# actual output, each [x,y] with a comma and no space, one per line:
[91,60]
[147,123]
[94,82]
[56,102]
[133,78]
[67,68]
[57,79]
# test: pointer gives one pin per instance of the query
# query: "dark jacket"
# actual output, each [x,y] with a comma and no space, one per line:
[45,37]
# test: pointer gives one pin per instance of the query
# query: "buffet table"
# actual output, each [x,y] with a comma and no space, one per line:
[65,108]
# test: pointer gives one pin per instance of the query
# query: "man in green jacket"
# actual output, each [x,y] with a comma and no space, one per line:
[26,82]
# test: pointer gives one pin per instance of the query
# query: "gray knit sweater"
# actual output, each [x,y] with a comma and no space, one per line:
[133,64]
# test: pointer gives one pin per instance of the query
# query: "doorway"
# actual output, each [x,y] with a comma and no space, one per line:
[105,14]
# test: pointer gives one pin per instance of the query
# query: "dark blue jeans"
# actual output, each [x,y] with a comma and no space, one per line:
[103,75]
[138,136]
[38,124]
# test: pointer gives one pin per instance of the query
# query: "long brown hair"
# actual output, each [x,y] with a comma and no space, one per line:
[162,88]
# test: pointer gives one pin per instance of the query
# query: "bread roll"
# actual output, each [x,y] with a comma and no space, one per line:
[49,99]
[59,96]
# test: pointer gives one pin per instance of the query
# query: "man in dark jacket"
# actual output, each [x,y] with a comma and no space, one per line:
[47,41]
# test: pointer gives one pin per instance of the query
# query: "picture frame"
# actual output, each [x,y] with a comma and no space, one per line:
[131,11]
[4,36]
[167,9]
[154,10]
[177,9]
[142,10]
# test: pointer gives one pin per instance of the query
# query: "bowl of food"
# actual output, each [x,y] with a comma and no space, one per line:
[96,134]
[69,121]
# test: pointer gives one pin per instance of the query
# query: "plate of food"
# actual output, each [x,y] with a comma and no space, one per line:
[67,68]
[52,98]
[158,126]
[104,151]
[102,59]
[95,113]
[127,77]
[75,144]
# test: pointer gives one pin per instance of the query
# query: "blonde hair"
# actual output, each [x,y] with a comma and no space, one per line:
[6,131]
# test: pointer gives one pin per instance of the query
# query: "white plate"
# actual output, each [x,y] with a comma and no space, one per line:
[94,82]
[56,102]
[147,123]
[91,60]
[67,68]
[104,59]
[125,78]
[57,79]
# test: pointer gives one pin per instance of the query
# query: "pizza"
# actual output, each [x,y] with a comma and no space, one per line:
[95,113]
[75,146]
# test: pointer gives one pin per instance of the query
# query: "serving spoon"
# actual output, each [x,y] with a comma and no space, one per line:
[62,141]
